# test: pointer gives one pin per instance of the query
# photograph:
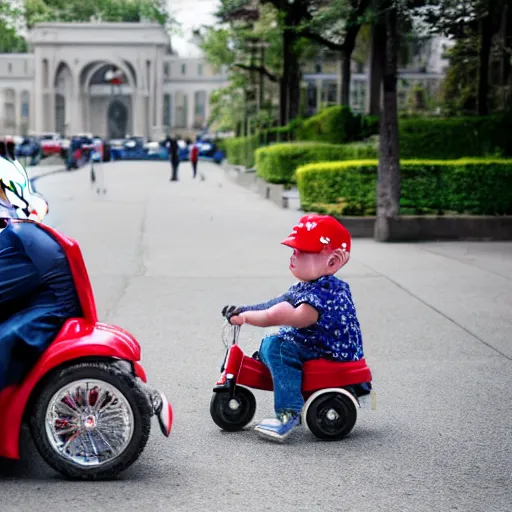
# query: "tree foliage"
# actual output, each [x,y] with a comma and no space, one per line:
[105,10]
[10,40]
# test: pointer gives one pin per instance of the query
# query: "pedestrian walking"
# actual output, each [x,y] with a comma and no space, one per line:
[174,156]
[194,157]
[97,171]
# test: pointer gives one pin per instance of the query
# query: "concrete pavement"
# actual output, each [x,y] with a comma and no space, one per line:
[165,257]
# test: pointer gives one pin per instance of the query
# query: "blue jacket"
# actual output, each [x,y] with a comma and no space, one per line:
[37,295]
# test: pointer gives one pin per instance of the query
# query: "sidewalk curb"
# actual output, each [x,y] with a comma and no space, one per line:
[249,180]
[34,179]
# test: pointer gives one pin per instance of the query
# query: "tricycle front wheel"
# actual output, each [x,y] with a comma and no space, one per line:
[233,413]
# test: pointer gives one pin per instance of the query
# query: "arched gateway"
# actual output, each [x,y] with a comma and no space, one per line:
[73,63]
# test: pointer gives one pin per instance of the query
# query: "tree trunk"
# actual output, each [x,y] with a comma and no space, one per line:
[283,101]
[345,78]
[388,176]
[294,89]
[291,68]
[484,51]
[506,35]
[377,58]
[346,60]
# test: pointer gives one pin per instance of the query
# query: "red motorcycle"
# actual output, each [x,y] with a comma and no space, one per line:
[86,399]
[333,392]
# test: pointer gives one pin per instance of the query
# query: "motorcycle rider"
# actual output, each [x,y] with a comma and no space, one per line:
[28,203]
[37,292]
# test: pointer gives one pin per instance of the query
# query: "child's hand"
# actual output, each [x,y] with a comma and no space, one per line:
[229,311]
[237,320]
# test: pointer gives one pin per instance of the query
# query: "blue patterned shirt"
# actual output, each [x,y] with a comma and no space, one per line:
[337,334]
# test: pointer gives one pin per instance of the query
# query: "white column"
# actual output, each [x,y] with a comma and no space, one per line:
[139,119]
[135,97]
[17,112]
[191,110]
[151,97]
[49,122]
[37,95]
[159,77]
[84,100]
[207,106]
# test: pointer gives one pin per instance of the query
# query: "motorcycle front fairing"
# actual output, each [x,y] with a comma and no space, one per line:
[83,338]
[77,340]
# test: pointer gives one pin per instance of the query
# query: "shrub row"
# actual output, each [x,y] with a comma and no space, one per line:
[336,125]
[430,138]
[240,150]
[455,137]
[277,164]
[465,186]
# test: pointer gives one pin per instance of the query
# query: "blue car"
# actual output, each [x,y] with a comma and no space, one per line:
[29,147]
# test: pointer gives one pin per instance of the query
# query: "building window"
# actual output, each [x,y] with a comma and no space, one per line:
[9,109]
[25,104]
[10,67]
[45,74]
[148,75]
[167,110]
[166,70]
[181,102]
[183,69]
[199,109]
[200,69]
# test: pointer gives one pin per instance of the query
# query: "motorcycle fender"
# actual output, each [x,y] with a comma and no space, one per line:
[75,342]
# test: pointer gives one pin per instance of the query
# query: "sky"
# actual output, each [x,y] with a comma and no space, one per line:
[191,14]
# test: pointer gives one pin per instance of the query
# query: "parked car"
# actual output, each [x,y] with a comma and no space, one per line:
[29,147]
[80,150]
[50,143]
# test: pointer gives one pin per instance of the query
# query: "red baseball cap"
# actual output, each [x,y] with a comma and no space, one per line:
[314,232]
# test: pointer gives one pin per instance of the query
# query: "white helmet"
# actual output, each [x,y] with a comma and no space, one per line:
[14,184]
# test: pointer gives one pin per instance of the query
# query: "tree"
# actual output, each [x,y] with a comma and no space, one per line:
[10,40]
[487,20]
[388,174]
[335,24]
[233,43]
[106,10]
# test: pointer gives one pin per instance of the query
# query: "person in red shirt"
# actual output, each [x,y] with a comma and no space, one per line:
[194,156]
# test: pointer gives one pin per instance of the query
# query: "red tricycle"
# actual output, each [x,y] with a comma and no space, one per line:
[333,391]
[86,399]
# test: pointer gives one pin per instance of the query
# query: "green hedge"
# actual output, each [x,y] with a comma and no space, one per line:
[277,164]
[455,137]
[240,150]
[465,186]
[335,125]
[432,138]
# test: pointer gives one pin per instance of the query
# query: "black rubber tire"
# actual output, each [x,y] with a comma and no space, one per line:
[226,418]
[136,398]
[325,429]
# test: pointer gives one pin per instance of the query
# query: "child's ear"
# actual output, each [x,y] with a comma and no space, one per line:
[338,259]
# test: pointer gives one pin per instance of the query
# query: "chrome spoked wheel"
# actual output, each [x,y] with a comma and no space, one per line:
[89,422]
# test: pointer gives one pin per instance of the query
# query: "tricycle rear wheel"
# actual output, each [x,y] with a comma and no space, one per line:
[233,413]
[90,421]
[331,416]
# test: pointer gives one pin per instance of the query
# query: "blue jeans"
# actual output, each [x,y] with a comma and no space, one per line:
[284,359]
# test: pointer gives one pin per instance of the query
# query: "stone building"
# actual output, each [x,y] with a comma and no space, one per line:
[61,86]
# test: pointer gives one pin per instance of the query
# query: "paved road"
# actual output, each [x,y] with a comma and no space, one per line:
[165,257]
